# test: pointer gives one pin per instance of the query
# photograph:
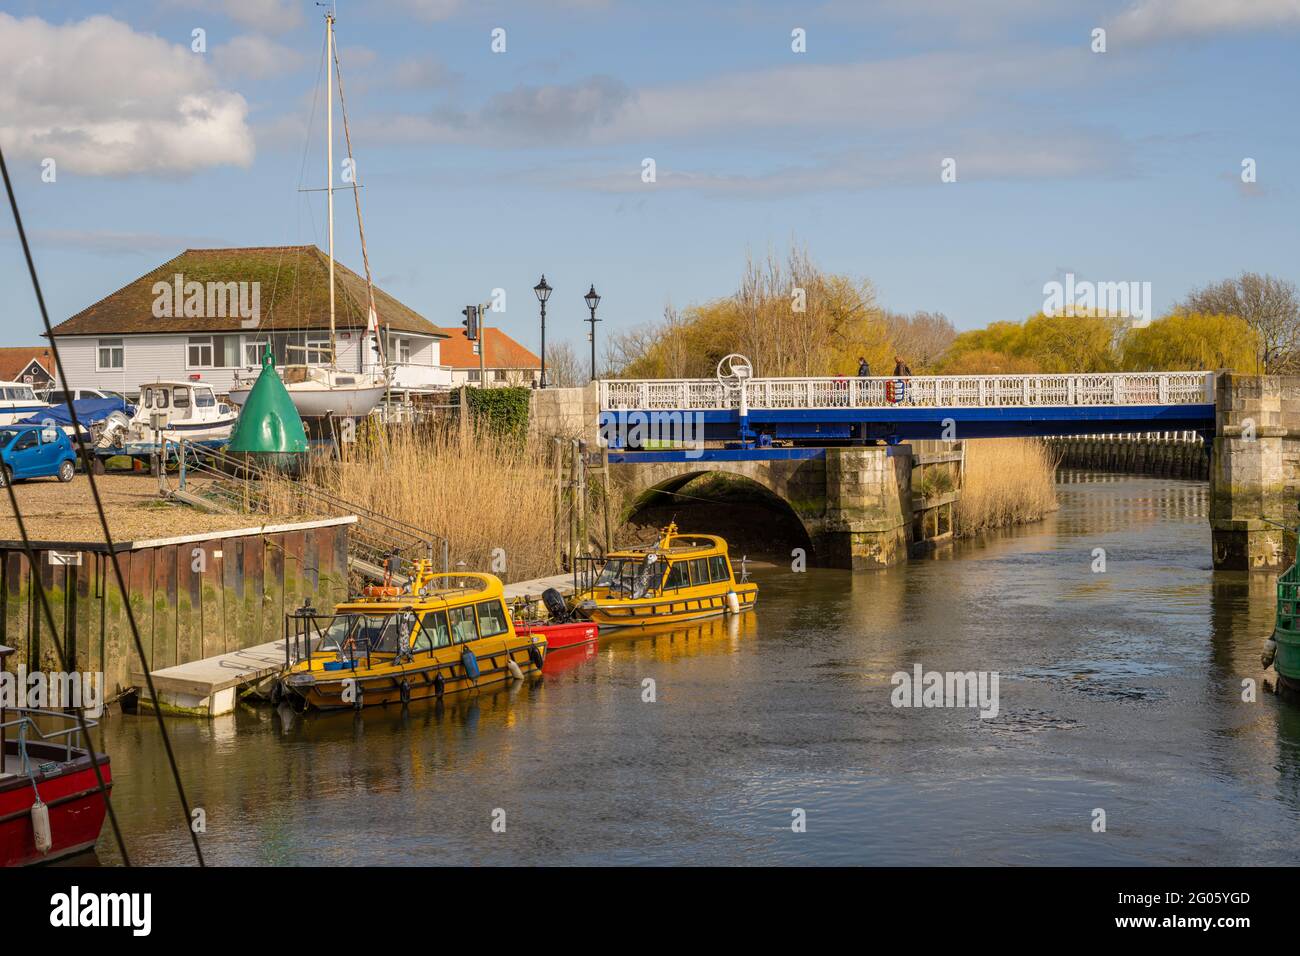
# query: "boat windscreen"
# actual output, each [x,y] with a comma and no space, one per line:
[361,632]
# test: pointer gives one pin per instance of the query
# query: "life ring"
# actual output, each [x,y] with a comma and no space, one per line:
[377,590]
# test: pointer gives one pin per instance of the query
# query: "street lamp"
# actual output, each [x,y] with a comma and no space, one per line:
[592,299]
[543,293]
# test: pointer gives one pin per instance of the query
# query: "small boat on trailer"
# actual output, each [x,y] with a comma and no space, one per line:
[50,802]
[169,412]
[445,633]
[681,577]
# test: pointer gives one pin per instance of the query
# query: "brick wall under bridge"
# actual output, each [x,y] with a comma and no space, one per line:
[855,503]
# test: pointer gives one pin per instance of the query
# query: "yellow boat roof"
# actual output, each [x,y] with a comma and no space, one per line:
[425,593]
[675,545]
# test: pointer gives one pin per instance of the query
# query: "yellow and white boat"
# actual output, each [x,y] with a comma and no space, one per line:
[682,577]
[445,633]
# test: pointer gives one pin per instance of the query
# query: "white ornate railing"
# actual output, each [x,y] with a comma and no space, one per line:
[938,391]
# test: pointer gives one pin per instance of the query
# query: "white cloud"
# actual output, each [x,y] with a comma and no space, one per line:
[1153,19]
[101,99]
[256,57]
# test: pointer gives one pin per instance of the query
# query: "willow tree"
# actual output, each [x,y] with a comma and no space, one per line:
[1192,341]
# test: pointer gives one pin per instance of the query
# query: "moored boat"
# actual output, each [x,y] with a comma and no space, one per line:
[562,636]
[1282,650]
[444,633]
[50,802]
[681,577]
[168,412]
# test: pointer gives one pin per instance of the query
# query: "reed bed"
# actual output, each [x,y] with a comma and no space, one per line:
[1008,481]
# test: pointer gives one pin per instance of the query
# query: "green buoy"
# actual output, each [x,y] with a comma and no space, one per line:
[268,423]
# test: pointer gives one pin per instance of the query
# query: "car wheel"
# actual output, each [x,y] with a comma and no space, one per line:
[6,476]
[66,471]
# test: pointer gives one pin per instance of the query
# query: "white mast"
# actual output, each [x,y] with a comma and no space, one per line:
[329,161]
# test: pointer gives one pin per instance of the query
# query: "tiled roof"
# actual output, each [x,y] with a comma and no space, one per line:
[293,294]
[502,351]
[13,361]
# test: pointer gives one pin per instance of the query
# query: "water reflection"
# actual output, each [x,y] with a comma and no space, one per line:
[1120,690]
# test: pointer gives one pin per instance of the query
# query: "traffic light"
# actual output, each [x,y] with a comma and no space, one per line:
[470,322]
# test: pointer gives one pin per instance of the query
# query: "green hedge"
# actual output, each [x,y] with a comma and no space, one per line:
[500,410]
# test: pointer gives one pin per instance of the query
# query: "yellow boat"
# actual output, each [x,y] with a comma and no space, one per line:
[682,577]
[445,633]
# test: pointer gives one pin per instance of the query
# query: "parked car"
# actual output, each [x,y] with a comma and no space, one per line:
[35,452]
[59,396]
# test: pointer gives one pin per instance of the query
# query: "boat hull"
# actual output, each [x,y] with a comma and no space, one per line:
[318,402]
[561,637]
[75,804]
[665,610]
[384,685]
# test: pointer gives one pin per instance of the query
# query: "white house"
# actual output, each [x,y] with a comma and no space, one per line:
[505,361]
[209,314]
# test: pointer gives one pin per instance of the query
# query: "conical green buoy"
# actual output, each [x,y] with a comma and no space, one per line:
[268,423]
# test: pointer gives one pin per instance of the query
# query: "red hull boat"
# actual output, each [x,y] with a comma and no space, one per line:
[47,763]
[562,636]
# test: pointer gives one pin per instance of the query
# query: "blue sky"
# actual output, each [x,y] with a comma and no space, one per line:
[483,170]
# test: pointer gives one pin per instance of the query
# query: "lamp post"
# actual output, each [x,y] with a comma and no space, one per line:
[592,299]
[543,293]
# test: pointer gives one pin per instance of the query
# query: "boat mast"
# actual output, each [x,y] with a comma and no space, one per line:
[329,160]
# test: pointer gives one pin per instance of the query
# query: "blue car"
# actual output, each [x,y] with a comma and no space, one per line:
[33,451]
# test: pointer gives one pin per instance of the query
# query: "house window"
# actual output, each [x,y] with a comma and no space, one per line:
[318,351]
[110,355]
[499,374]
[200,352]
[473,375]
[253,353]
[399,350]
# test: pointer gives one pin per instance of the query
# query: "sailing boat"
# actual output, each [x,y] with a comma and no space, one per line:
[320,390]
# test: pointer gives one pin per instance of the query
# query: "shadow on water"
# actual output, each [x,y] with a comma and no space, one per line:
[1119,689]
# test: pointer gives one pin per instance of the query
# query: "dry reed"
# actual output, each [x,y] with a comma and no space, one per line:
[1007,481]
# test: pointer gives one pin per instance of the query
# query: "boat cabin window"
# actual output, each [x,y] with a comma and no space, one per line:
[345,380]
[678,576]
[433,632]
[491,618]
[718,570]
[612,572]
[154,398]
[463,627]
[699,571]
[204,398]
[181,397]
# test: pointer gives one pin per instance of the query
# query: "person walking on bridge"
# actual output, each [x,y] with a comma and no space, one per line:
[900,368]
[864,369]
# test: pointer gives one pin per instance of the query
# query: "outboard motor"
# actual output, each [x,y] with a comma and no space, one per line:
[556,606]
[113,430]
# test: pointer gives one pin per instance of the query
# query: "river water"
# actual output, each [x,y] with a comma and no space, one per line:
[1118,691]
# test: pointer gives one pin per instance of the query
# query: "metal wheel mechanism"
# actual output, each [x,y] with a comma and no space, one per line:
[734,370]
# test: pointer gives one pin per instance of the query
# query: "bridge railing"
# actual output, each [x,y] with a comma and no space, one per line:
[921,391]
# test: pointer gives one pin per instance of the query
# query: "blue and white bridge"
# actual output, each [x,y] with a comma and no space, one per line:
[804,411]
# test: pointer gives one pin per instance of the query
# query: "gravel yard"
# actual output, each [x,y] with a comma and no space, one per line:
[54,511]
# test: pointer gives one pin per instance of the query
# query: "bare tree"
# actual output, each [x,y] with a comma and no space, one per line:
[562,368]
[1269,305]
[921,338]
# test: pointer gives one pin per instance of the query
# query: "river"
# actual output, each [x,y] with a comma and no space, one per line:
[772,738]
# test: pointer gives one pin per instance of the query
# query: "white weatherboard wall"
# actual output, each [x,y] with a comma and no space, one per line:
[147,358]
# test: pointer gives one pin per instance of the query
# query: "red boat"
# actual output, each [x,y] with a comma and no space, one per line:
[562,636]
[46,765]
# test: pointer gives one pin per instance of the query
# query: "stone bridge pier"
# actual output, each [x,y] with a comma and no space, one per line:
[855,502]
[1254,470]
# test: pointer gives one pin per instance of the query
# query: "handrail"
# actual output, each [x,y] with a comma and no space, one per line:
[25,718]
[917,391]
